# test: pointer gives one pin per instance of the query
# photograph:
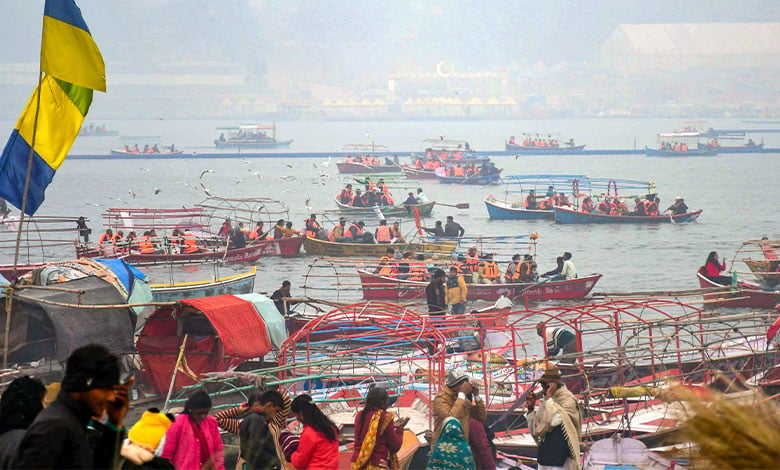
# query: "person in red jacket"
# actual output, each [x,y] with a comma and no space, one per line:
[712,269]
[385,433]
[319,445]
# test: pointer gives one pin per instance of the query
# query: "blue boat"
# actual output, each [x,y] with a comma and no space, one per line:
[481,180]
[506,210]
[569,216]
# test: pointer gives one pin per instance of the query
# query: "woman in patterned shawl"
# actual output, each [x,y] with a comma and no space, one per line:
[451,451]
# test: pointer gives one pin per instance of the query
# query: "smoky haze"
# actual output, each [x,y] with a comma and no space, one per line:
[305,51]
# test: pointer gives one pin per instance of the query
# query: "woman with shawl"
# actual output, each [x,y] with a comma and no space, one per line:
[193,440]
[451,451]
[377,437]
[20,404]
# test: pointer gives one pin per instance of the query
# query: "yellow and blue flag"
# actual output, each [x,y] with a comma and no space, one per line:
[72,67]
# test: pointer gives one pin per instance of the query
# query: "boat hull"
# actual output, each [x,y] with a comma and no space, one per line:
[351,168]
[327,248]
[389,211]
[416,174]
[283,247]
[740,296]
[479,180]
[671,153]
[243,283]
[251,144]
[377,287]
[569,216]
[241,255]
[147,154]
[523,150]
[503,210]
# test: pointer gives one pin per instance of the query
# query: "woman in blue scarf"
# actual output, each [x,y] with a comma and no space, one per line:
[451,451]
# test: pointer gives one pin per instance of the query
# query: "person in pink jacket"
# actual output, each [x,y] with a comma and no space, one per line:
[193,442]
[319,446]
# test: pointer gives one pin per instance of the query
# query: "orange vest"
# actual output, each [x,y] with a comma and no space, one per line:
[387,266]
[459,171]
[145,245]
[418,272]
[190,243]
[510,275]
[309,232]
[104,238]
[116,239]
[472,263]
[383,233]
[491,270]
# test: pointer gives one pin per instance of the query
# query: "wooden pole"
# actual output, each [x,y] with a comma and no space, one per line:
[9,303]
[175,371]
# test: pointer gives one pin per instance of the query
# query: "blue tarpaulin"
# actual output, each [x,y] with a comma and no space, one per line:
[125,272]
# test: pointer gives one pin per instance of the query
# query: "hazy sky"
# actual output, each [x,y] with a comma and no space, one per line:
[358,35]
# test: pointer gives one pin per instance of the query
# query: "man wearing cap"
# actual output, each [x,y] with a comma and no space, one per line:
[460,399]
[678,207]
[435,294]
[556,425]
[58,436]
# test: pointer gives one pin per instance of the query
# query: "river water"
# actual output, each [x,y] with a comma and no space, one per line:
[738,193]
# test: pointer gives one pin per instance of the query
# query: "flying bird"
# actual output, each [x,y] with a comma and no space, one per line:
[289,166]
[157,191]
[202,173]
[259,175]
[146,169]
[131,192]
[308,200]
[246,161]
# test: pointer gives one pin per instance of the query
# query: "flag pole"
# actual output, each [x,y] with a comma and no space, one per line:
[10,291]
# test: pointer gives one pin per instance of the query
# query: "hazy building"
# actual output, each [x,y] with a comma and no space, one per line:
[633,48]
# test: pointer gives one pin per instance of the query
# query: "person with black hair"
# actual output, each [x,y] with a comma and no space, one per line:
[319,445]
[256,441]
[282,293]
[435,294]
[193,440]
[58,437]
[378,435]
[20,404]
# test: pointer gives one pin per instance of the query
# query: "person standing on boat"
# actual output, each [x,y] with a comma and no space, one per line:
[452,228]
[457,291]
[421,197]
[557,425]
[435,294]
[557,340]
[568,271]
[436,231]
[383,233]
[81,225]
[678,207]
[712,269]
[279,297]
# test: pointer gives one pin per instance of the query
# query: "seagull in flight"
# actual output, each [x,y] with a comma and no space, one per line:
[205,189]
[308,200]
[146,169]
[157,191]
[259,175]
[202,173]
[131,192]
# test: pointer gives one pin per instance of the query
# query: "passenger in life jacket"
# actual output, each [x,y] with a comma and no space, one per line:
[395,231]
[512,140]
[145,245]
[386,199]
[418,271]
[383,187]
[614,206]
[530,201]
[355,232]
[191,243]
[489,272]
[387,264]
[383,233]
[105,238]
[512,273]
[651,205]
[563,201]
[549,202]
[312,226]
[603,206]
[403,265]
[587,205]
[131,242]
[527,270]
[118,238]
[639,208]
[458,171]
[289,232]
[460,264]
[358,200]
[346,195]
[279,229]
[175,241]
[418,164]
[338,233]
[472,260]
[244,230]
[257,233]
[429,165]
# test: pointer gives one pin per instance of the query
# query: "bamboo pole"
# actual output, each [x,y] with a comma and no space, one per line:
[175,371]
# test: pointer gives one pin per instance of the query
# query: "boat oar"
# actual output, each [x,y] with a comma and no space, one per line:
[461,205]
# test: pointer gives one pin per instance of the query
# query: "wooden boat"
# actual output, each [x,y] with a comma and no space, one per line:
[479,180]
[360,160]
[317,247]
[242,283]
[249,136]
[247,254]
[418,174]
[762,259]
[376,287]
[424,209]
[744,294]
[283,247]
[506,210]
[570,216]
[361,168]
[8,271]
[686,143]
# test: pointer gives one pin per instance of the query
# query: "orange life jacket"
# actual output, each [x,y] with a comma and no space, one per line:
[418,272]
[512,274]
[387,266]
[309,225]
[491,271]
[459,171]
[116,239]
[145,245]
[418,164]
[472,263]
[383,233]
[190,243]
[104,238]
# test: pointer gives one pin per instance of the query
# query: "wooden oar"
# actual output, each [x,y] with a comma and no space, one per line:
[461,205]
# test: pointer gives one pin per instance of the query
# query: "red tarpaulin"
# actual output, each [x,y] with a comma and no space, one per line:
[223,331]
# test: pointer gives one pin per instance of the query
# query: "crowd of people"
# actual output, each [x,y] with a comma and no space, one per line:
[375,195]
[607,204]
[81,423]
